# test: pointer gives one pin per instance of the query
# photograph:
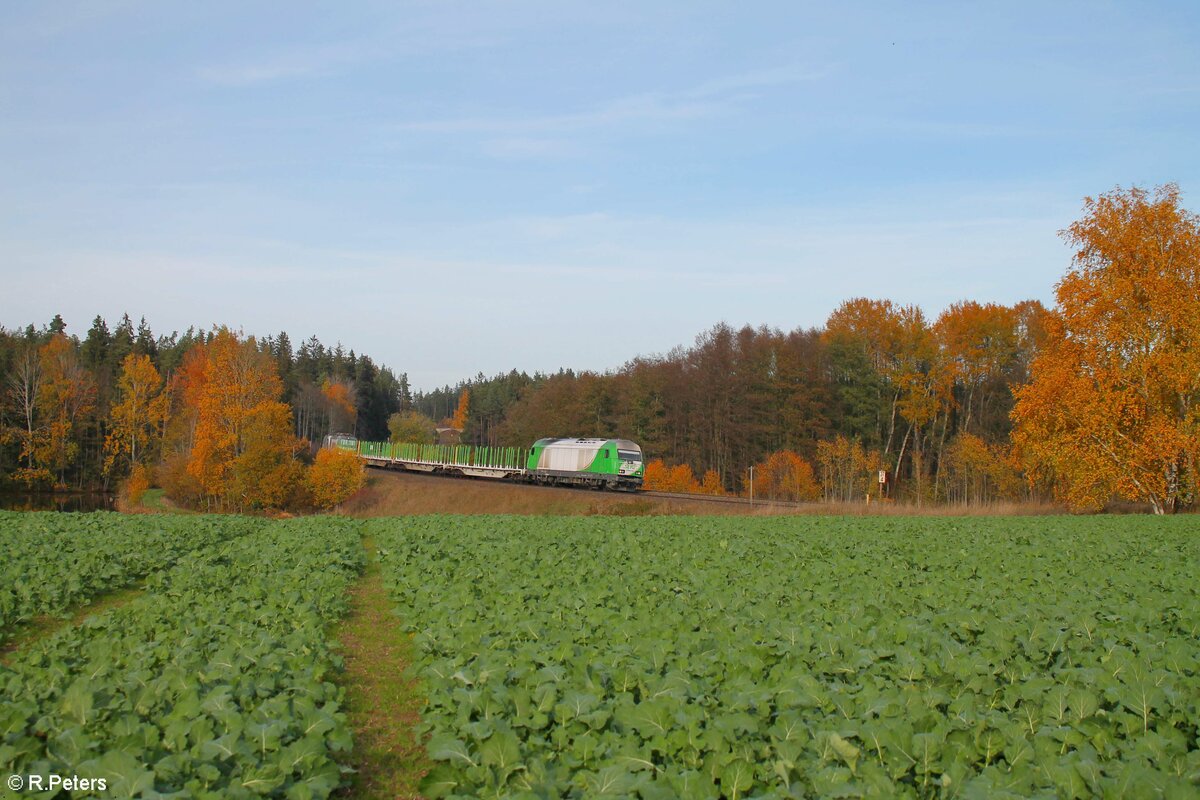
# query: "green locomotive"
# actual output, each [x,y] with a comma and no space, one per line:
[600,463]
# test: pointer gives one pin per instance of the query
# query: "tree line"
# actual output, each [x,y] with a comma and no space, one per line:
[816,412]
[1094,399]
[220,420]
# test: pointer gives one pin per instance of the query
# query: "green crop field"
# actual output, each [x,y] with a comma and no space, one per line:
[698,658]
[53,561]
[214,684]
[628,657]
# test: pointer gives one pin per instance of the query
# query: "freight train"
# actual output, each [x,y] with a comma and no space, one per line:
[594,463]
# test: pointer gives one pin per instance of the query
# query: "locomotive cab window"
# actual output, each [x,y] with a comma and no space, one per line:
[629,455]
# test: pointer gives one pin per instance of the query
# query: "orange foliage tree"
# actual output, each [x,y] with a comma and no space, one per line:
[135,422]
[1113,406]
[238,445]
[658,477]
[711,484]
[897,342]
[459,420]
[978,343]
[784,475]
[334,476]
[134,487]
[339,406]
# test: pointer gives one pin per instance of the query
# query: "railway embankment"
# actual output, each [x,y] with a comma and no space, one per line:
[395,492]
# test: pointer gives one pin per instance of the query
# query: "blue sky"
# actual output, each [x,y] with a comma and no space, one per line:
[464,187]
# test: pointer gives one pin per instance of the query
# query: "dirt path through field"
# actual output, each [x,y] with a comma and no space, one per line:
[382,703]
[44,626]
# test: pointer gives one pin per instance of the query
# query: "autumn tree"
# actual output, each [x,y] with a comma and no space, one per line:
[1113,406]
[334,476]
[978,342]
[654,475]
[658,477]
[848,471]
[895,373]
[861,338]
[339,406]
[67,393]
[459,420]
[24,384]
[979,473]
[242,453]
[711,484]
[136,420]
[784,475]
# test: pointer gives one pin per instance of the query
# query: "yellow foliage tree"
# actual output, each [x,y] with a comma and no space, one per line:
[978,473]
[848,471]
[24,383]
[67,394]
[136,420]
[1113,405]
[334,476]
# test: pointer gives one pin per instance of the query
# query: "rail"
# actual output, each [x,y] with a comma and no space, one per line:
[716,498]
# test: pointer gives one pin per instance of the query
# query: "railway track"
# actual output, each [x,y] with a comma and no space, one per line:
[682,496]
[710,498]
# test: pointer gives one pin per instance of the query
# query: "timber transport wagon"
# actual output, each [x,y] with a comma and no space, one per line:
[593,463]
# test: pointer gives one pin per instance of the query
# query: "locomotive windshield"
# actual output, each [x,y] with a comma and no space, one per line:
[629,455]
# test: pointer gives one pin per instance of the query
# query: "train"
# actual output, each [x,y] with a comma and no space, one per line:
[613,464]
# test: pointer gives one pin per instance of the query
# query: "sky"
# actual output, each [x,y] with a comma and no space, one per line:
[456,188]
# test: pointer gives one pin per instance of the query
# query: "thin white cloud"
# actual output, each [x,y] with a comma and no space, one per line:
[313,61]
[644,107]
[710,98]
[950,129]
[331,58]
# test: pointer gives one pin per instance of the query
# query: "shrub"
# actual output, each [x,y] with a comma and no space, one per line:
[658,477]
[135,486]
[180,485]
[334,476]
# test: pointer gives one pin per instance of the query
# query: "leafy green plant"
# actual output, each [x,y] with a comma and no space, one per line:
[215,684]
[53,561]
[803,657]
